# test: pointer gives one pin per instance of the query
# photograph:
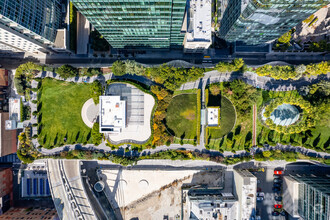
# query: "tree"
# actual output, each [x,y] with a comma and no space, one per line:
[119,68]
[96,135]
[96,91]
[214,89]
[66,71]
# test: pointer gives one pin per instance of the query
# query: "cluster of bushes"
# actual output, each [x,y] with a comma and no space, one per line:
[306,122]
[235,65]
[24,111]
[26,151]
[96,91]
[23,76]
[66,71]
[290,72]
[198,115]
[171,77]
[160,134]
[96,135]
[289,156]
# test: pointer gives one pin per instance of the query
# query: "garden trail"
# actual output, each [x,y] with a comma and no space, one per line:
[254,127]
[214,76]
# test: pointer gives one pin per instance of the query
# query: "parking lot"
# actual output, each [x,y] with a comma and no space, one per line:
[265,185]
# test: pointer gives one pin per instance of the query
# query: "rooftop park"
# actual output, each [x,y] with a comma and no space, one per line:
[176,115]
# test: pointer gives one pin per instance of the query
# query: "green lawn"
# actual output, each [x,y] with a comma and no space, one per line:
[227,119]
[181,116]
[61,104]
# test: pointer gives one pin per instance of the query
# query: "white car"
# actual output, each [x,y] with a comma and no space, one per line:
[260,194]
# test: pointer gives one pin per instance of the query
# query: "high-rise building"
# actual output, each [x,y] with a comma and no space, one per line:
[29,25]
[307,196]
[261,21]
[136,23]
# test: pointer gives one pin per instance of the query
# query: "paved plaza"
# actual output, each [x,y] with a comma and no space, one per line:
[139,107]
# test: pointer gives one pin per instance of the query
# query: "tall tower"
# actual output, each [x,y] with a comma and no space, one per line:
[136,23]
[29,25]
[260,21]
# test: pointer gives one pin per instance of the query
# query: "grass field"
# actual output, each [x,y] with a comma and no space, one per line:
[227,119]
[60,112]
[181,116]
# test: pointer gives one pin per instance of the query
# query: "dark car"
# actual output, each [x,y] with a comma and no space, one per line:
[275,213]
[278,198]
[277,185]
[276,189]
[277,180]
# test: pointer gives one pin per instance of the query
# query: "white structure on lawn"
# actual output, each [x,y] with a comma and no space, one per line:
[112,114]
[213,116]
[198,33]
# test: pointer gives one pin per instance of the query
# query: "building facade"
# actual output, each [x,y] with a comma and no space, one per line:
[311,199]
[6,189]
[136,23]
[261,21]
[29,25]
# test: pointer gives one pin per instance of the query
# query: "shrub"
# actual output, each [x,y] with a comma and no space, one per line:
[96,135]
[96,91]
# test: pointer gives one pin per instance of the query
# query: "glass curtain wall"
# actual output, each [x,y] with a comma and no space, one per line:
[136,23]
[260,21]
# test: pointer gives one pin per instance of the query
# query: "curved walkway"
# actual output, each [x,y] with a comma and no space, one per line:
[89,112]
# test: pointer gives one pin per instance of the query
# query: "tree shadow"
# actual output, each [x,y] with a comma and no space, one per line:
[56,139]
[238,130]
[77,136]
[317,140]
[183,136]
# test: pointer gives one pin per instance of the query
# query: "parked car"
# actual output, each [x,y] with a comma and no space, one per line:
[278,198]
[277,206]
[274,213]
[260,198]
[277,185]
[277,180]
[258,189]
[276,189]
[260,194]
[278,172]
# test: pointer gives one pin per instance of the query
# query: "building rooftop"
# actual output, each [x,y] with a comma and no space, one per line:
[213,116]
[112,114]
[7,137]
[198,34]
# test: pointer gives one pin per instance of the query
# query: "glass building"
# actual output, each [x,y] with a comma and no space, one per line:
[37,19]
[136,23]
[313,197]
[261,21]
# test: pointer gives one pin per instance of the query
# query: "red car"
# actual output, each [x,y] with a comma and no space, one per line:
[277,206]
[278,172]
